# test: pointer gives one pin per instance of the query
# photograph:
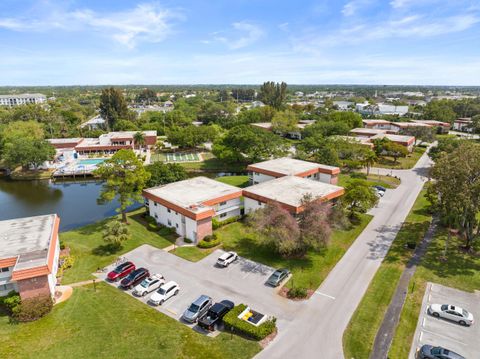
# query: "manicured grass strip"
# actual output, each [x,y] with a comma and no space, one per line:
[461,270]
[308,272]
[91,252]
[192,254]
[372,180]
[239,181]
[107,323]
[402,163]
[360,334]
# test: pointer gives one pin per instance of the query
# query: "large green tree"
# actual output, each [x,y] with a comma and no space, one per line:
[359,197]
[115,233]
[440,110]
[125,178]
[455,190]
[285,121]
[27,152]
[273,94]
[163,173]
[113,106]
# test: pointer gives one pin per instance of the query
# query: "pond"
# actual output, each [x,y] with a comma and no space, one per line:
[74,202]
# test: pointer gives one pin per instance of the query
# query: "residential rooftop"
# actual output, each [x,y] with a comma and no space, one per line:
[24,95]
[291,190]
[289,166]
[367,131]
[192,193]
[28,239]
[395,138]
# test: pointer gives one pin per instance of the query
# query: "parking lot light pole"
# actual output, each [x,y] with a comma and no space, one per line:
[94,285]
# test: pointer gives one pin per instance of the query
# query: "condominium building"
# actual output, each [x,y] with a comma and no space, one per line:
[29,252]
[22,99]
[189,206]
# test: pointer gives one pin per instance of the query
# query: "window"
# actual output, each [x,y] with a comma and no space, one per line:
[222,203]
[169,222]
[259,203]
[176,225]
[222,215]
[169,210]
[4,269]
[155,204]
[5,287]
[176,213]
[156,215]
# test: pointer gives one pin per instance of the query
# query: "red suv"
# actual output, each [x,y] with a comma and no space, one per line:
[134,278]
[121,271]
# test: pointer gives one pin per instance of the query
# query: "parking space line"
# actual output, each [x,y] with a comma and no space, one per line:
[423,323]
[444,336]
[171,311]
[420,338]
[325,295]
[250,271]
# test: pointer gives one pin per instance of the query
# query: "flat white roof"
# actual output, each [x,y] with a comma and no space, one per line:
[192,192]
[27,238]
[64,140]
[24,95]
[367,130]
[395,138]
[291,190]
[289,166]
[128,134]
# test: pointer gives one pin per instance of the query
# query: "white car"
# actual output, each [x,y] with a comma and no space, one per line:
[226,258]
[165,292]
[451,312]
[149,285]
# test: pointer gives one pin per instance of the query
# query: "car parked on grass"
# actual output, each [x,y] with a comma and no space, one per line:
[431,352]
[121,271]
[226,258]
[149,285]
[134,278]
[278,277]
[197,309]
[215,315]
[451,312]
[165,292]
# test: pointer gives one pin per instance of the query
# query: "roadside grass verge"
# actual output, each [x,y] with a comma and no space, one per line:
[91,252]
[360,334]
[372,180]
[192,253]
[308,272]
[106,323]
[460,270]
[238,181]
[402,163]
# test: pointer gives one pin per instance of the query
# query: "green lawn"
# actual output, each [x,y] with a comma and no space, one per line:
[238,181]
[213,164]
[460,271]
[308,272]
[91,252]
[372,180]
[191,253]
[360,334]
[110,324]
[402,163]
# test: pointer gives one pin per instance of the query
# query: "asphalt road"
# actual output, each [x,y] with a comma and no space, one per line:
[317,329]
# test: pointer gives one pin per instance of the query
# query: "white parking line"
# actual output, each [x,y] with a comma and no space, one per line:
[249,272]
[423,322]
[325,295]
[421,335]
[444,336]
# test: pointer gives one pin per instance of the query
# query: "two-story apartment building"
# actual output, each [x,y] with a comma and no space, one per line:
[269,170]
[190,205]
[29,252]
[22,99]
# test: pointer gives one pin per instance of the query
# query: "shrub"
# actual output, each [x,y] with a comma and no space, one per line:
[62,245]
[210,237]
[65,263]
[187,240]
[33,308]
[217,224]
[298,292]
[10,301]
[359,175]
[209,242]
[241,327]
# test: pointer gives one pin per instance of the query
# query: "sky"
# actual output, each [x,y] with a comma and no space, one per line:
[95,42]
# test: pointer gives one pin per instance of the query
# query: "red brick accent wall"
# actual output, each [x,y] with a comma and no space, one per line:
[204,228]
[33,287]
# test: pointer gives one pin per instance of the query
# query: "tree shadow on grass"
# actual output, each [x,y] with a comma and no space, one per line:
[106,250]
[165,232]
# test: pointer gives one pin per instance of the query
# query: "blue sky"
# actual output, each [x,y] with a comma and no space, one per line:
[424,42]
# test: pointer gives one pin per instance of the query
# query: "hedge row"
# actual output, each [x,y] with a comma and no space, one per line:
[240,326]
[26,310]
[217,224]
[209,242]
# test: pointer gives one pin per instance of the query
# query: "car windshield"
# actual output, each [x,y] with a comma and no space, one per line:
[445,307]
[161,291]
[465,313]
[145,283]
[436,351]
[275,275]
[193,308]
[119,269]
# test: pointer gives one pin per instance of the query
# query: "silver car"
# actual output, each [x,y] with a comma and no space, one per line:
[451,312]
[197,309]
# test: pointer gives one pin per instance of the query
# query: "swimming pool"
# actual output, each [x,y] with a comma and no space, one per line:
[91,161]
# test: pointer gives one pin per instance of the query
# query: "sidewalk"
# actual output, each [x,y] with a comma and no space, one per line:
[385,334]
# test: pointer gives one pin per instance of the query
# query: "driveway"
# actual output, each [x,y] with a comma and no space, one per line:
[444,333]
[242,282]
[318,328]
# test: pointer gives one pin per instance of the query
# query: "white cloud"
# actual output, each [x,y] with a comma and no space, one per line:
[241,35]
[144,23]
[352,7]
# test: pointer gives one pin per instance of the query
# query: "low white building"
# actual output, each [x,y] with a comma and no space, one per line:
[463,124]
[289,192]
[189,206]
[286,166]
[22,99]
[94,123]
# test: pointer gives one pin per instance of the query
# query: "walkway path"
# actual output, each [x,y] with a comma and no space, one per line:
[318,328]
[384,337]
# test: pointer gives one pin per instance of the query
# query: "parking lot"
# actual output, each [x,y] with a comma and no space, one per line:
[241,282]
[444,333]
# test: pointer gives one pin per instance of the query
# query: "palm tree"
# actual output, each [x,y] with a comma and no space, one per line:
[369,160]
[116,232]
[139,139]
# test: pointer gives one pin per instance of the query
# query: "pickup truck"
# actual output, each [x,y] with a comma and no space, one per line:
[215,314]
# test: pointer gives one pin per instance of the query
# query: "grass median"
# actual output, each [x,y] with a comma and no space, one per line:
[360,334]
[106,323]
